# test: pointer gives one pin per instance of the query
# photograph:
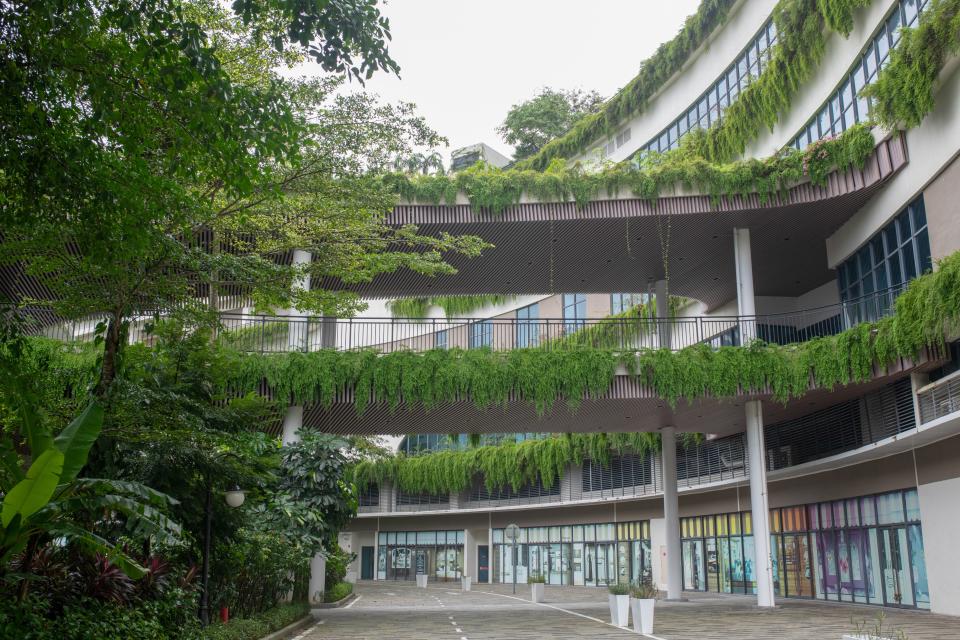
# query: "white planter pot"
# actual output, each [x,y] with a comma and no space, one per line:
[619,610]
[536,591]
[422,580]
[863,636]
[642,610]
[465,583]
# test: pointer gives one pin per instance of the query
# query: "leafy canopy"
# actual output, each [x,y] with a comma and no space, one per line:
[532,123]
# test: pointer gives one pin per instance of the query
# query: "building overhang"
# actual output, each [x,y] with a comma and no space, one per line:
[614,245]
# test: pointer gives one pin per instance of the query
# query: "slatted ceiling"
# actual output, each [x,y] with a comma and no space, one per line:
[588,246]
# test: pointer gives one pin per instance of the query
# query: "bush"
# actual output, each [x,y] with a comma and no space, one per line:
[337,562]
[171,617]
[338,591]
[259,626]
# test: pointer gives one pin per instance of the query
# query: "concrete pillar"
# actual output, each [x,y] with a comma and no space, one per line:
[292,423]
[746,302]
[469,568]
[671,513]
[298,338]
[664,325]
[759,505]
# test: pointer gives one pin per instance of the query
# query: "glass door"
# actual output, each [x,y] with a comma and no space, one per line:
[590,565]
[894,563]
[578,563]
[623,562]
[796,566]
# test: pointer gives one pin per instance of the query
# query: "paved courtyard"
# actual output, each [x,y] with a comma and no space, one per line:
[443,612]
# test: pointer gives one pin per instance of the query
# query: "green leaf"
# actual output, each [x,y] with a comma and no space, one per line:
[32,493]
[77,438]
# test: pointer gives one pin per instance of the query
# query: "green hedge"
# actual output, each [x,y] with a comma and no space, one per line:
[339,591]
[258,626]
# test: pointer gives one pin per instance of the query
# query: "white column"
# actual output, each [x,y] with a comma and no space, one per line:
[671,512]
[292,423]
[297,337]
[665,328]
[746,302]
[468,570]
[759,506]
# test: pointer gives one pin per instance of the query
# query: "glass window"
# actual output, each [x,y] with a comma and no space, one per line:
[890,508]
[574,310]
[481,334]
[441,339]
[913,504]
[528,326]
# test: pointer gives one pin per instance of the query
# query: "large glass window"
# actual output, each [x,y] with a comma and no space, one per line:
[871,278]
[867,550]
[620,302]
[591,555]
[708,108]
[481,334]
[574,310]
[845,108]
[528,326]
[402,555]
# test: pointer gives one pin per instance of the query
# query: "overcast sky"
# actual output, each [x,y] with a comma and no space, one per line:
[465,62]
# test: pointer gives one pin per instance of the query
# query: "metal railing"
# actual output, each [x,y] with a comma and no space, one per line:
[290,333]
[284,333]
[939,398]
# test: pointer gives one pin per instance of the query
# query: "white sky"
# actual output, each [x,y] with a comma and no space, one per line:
[465,62]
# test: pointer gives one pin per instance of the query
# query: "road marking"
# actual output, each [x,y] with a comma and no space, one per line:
[459,630]
[355,601]
[308,630]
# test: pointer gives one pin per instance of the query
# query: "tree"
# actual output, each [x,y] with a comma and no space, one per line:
[531,124]
[151,158]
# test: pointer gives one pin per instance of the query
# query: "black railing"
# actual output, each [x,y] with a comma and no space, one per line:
[282,333]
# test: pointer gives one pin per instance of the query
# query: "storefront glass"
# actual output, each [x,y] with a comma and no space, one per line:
[402,555]
[591,554]
[867,550]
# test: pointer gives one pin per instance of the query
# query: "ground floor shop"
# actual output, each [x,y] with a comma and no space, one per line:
[867,549]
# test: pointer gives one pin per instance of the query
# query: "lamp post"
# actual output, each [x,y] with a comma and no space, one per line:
[234,498]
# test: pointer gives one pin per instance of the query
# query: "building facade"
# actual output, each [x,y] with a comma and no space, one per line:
[846,494]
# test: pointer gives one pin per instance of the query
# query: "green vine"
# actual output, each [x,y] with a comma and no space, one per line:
[496,189]
[666,62]
[453,306]
[903,92]
[927,311]
[509,464]
[801,41]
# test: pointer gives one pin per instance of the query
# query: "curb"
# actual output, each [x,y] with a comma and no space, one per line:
[290,628]
[334,605]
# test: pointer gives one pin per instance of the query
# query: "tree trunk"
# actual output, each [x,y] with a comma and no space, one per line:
[111,351]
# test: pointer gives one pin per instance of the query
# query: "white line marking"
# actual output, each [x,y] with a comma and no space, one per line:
[459,630]
[355,601]
[308,630]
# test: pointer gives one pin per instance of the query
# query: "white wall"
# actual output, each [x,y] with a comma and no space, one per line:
[743,22]
[658,549]
[940,515]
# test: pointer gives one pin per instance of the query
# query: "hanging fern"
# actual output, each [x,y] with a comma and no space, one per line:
[494,189]
[903,93]
[453,306]
[663,65]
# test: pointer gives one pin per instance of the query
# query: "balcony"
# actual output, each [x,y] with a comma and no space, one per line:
[940,398]
[286,333]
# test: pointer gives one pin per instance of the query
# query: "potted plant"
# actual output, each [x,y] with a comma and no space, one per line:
[536,582]
[643,596]
[619,599]
[465,583]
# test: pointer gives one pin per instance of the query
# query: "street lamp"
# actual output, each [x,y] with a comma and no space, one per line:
[234,498]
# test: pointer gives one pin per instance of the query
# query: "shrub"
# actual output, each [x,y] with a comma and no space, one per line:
[619,589]
[258,626]
[536,578]
[339,591]
[338,561]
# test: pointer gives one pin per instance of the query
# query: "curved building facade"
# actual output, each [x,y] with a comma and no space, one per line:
[847,493]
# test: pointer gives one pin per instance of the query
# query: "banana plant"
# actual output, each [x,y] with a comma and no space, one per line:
[48,501]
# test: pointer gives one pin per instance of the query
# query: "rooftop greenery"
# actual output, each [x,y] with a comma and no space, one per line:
[669,58]
[801,41]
